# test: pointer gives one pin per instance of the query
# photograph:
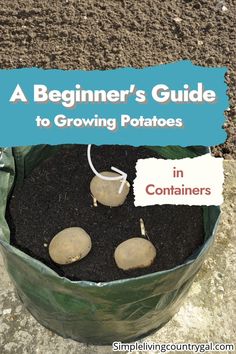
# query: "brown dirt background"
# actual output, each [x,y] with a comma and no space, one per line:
[95,34]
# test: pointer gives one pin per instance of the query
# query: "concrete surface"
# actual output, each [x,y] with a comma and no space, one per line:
[208,313]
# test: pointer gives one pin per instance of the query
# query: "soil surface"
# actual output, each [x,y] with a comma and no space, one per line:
[56,196]
[99,34]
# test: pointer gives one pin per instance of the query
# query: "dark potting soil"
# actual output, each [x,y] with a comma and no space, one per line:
[56,196]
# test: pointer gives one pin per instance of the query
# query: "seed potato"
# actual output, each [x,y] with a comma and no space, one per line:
[107,192]
[70,245]
[136,252]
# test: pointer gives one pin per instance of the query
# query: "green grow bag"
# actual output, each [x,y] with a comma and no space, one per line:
[98,313]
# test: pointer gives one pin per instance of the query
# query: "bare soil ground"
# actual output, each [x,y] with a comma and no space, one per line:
[99,34]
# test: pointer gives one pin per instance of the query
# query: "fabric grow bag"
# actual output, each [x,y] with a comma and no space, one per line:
[98,313]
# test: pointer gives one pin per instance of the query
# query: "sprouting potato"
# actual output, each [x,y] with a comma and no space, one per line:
[107,192]
[136,252]
[70,245]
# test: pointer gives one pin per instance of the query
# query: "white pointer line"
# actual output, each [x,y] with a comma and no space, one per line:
[122,176]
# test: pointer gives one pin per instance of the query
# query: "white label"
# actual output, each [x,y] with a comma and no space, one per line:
[189,181]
